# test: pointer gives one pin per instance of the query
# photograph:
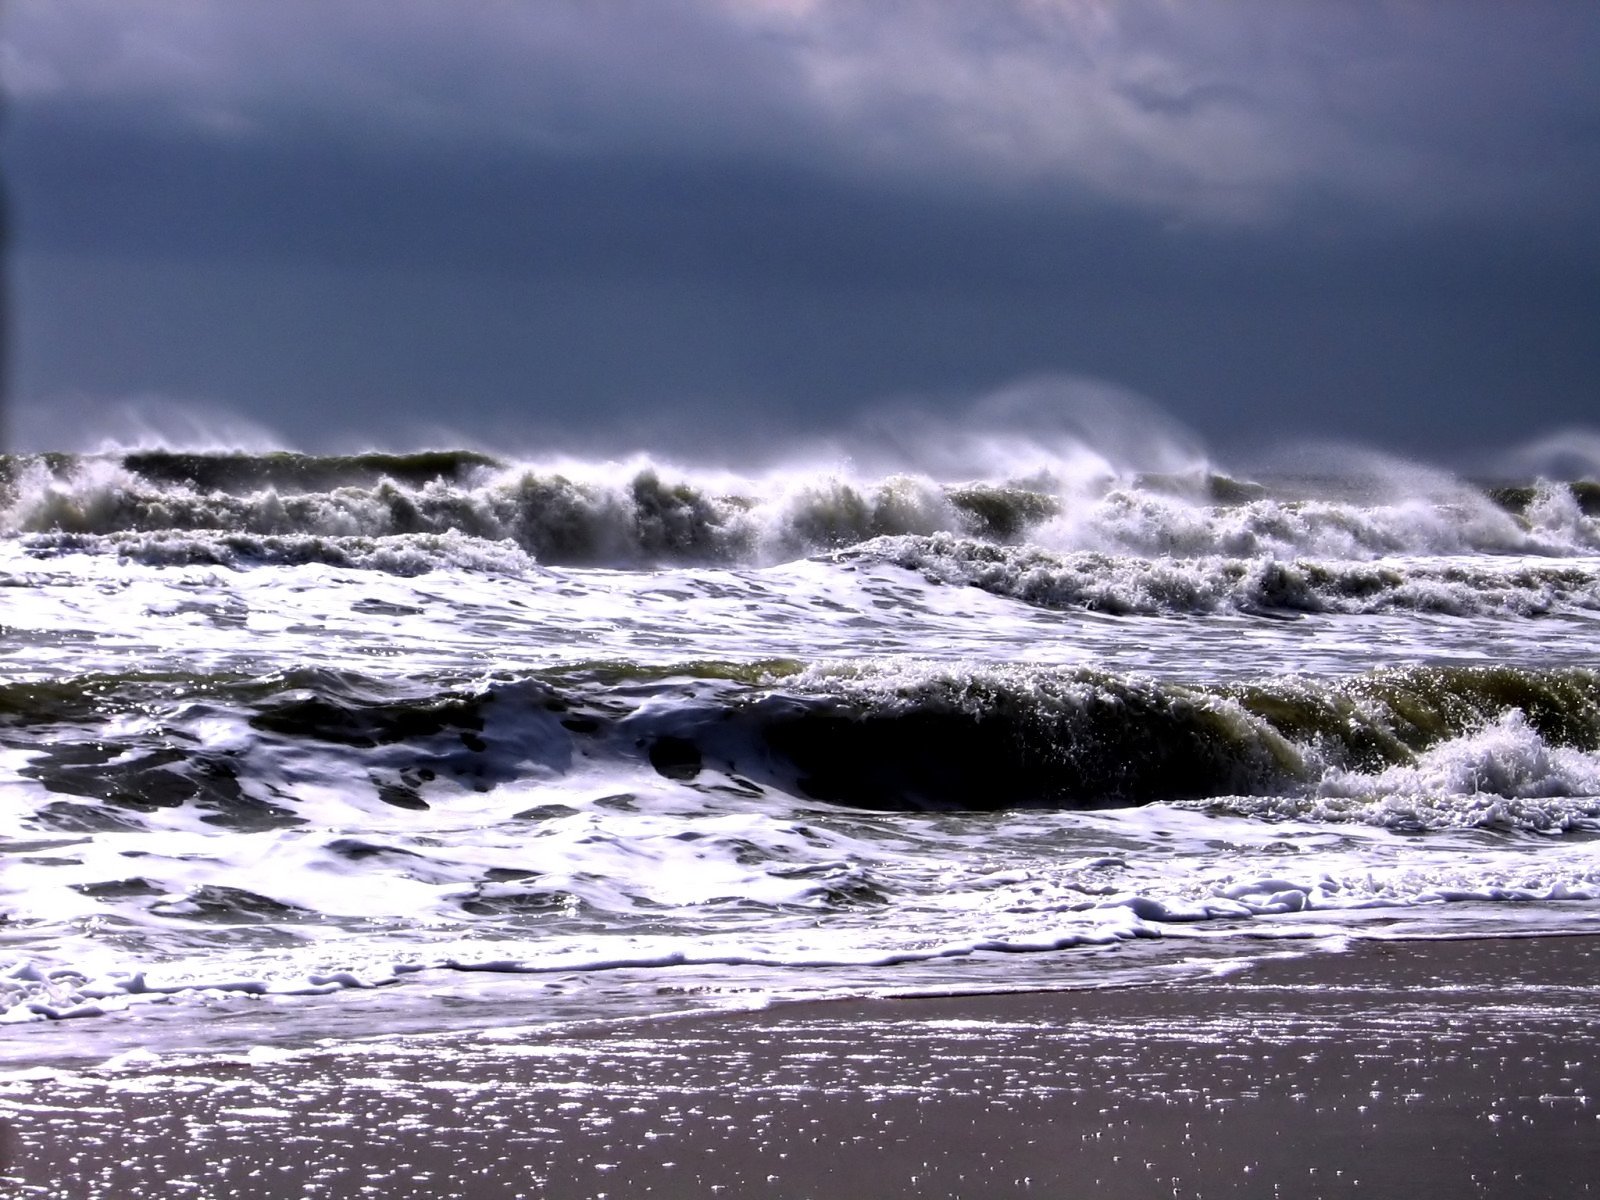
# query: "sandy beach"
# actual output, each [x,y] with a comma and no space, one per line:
[1454,1068]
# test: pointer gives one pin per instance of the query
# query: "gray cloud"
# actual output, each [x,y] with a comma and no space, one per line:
[1223,112]
[1360,219]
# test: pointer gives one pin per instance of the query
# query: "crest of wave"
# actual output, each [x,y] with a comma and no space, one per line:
[93,425]
[1128,478]
[1565,454]
[890,473]
[1075,437]
[1328,501]
[1502,775]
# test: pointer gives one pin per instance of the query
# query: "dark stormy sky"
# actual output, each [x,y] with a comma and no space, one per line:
[700,222]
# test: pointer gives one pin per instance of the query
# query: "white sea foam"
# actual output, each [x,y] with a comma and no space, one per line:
[1014,884]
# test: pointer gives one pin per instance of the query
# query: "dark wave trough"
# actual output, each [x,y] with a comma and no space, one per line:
[879,740]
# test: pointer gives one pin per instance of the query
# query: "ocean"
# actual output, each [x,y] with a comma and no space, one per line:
[297,748]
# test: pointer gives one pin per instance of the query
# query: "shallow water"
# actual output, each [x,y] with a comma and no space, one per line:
[1238,1083]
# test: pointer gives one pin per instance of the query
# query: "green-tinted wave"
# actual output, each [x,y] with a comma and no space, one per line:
[872,737]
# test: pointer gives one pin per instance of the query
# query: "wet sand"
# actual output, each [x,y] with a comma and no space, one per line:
[1415,1069]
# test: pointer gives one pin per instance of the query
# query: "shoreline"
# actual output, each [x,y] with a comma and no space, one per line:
[1451,1067]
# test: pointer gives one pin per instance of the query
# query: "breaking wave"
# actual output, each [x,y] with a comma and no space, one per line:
[239,509]
[904,738]
[1124,584]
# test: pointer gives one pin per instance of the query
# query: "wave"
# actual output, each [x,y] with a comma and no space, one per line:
[640,514]
[1123,584]
[593,517]
[1504,775]
[1023,736]
[282,749]
[313,831]
[405,554]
